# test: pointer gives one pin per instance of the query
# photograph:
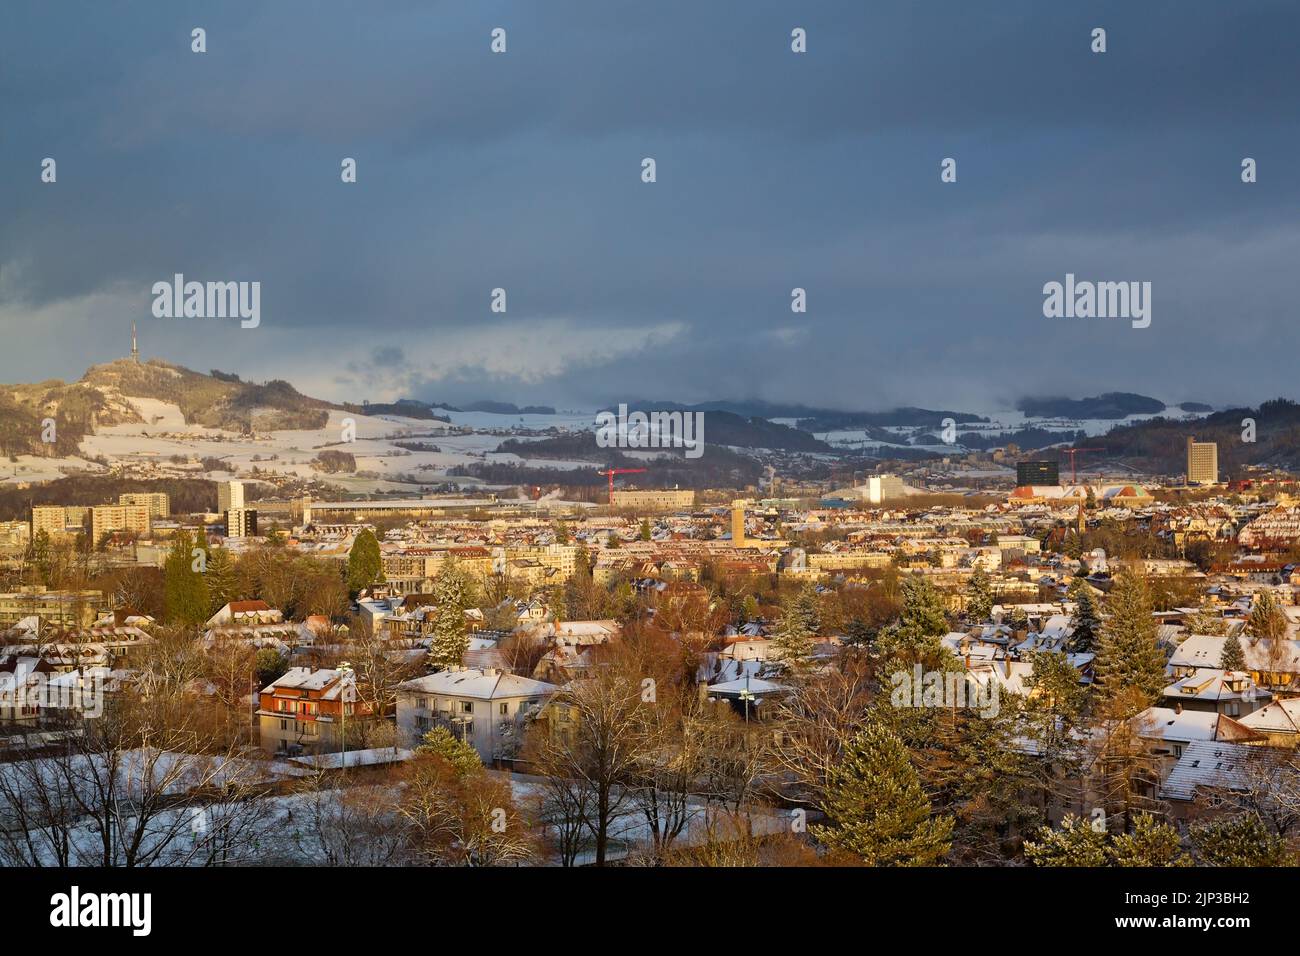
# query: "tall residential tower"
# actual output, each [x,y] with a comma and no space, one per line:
[1202,462]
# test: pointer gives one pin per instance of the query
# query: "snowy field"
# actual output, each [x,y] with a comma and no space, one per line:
[1001,422]
[149,447]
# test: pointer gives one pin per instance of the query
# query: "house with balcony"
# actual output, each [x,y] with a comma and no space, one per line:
[487,708]
[305,711]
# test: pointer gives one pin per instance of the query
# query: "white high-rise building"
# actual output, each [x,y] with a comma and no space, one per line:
[230,496]
[881,487]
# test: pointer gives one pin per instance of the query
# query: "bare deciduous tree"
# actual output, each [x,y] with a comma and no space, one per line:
[354,826]
[144,784]
[813,723]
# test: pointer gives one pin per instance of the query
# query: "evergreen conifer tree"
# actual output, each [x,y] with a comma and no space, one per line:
[1128,657]
[185,592]
[365,564]
[1233,657]
[450,634]
[879,810]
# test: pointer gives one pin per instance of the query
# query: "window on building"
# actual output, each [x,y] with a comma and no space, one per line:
[467,707]
[505,710]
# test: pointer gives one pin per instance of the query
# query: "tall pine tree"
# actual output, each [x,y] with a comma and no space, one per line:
[365,564]
[1240,840]
[220,575]
[1152,842]
[979,597]
[450,634]
[1086,621]
[1076,843]
[879,811]
[1233,657]
[924,610]
[914,637]
[1267,620]
[185,592]
[1128,657]
[800,621]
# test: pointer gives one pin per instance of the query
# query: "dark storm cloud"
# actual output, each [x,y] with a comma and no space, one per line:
[775,170]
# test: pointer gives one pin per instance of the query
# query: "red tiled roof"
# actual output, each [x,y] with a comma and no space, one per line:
[241,606]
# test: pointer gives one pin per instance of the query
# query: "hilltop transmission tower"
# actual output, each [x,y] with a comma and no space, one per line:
[135,350]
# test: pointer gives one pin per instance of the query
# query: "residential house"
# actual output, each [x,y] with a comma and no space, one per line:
[1277,724]
[258,624]
[1232,693]
[305,710]
[1272,668]
[487,709]
[1214,772]
[1168,731]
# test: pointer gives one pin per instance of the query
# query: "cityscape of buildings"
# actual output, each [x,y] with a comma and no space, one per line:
[647,440]
[384,637]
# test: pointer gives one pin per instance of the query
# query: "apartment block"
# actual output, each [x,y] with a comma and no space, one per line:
[1202,462]
[241,523]
[58,608]
[654,500]
[880,488]
[559,557]
[409,568]
[14,535]
[58,521]
[105,519]
[1038,473]
[157,502]
[230,494]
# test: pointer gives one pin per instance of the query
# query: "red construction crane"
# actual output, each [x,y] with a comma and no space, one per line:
[618,471]
[1074,474]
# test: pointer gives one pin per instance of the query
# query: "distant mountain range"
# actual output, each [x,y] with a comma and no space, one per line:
[720,428]
[99,398]
[1160,444]
[1112,406]
[820,419]
[223,400]
[414,408]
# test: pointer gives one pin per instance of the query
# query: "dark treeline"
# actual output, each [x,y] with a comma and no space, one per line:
[187,494]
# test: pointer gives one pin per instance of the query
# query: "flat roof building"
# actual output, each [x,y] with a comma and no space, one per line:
[157,502]
[105,519]
[1038,473]
[1202,462]
[241,523]
[230,494]
[666,500]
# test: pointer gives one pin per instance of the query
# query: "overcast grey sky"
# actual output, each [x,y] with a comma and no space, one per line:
[775,170]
